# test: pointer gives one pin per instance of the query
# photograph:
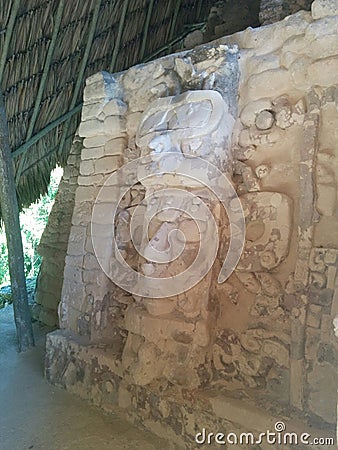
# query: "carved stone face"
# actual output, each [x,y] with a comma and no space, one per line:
[195,123]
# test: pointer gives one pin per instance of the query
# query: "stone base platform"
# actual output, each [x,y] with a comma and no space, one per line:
[94,373]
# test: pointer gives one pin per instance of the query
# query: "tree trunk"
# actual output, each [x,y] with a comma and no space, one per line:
[10,216]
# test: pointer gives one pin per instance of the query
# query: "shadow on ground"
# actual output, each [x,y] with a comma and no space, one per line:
[35,415]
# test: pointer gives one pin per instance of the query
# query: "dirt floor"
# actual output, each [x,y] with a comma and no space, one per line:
[35,415]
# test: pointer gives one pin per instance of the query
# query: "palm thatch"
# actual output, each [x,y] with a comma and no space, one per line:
[47,50]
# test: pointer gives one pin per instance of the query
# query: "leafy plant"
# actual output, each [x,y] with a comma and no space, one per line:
[33,221]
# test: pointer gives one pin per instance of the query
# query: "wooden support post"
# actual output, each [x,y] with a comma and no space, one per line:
[10,215]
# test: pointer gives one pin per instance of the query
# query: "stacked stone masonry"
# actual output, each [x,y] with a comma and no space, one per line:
[239,355]
[54,242]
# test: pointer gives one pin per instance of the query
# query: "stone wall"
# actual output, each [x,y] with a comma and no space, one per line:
[54,242]
[265,334]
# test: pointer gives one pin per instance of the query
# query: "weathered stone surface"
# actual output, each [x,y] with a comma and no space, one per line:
[264,120]
[267,331]
[91,128]
[323,382]
[92,153]
[115,147]
[107,164]
[115,107]
[323,8]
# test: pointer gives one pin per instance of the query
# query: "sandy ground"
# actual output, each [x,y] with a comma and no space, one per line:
[35,415]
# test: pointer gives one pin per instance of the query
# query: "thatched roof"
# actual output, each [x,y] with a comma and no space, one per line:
[47,50]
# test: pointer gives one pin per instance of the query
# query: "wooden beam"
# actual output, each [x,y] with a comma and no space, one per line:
[8,37]
[10,215]
[146,29]
[167,46]
[34,139]
[119,36]
[82,70]
[37,104]
[56,27]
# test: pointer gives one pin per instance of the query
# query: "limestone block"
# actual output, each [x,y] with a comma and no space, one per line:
[92,127]
[269,83]
[295,44]
[76,241]
[51,299]
[96,141]
[82,213]
[73,274]
[92,180]
[99,87]
[91,111]
[115,107]
[86,167]
[313,316]
[103,214]
[73,295]
[139,321]
[92,153]
[321,39]
[108,164]
[94,92]
[115,126]
[85,194]
[74,261]
[331,277]
[323,8]
[149,365]
[109,194]
[49,317]
[133,122]
[326,199]
[323,71]
[326,232]
[93,277]
[115,147]
[90,262]
[259,64]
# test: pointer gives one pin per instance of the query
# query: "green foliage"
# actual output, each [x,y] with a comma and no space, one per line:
[33,221]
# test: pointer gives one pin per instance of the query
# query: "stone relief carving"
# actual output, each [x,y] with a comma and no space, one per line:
[269,224]
[195,123]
